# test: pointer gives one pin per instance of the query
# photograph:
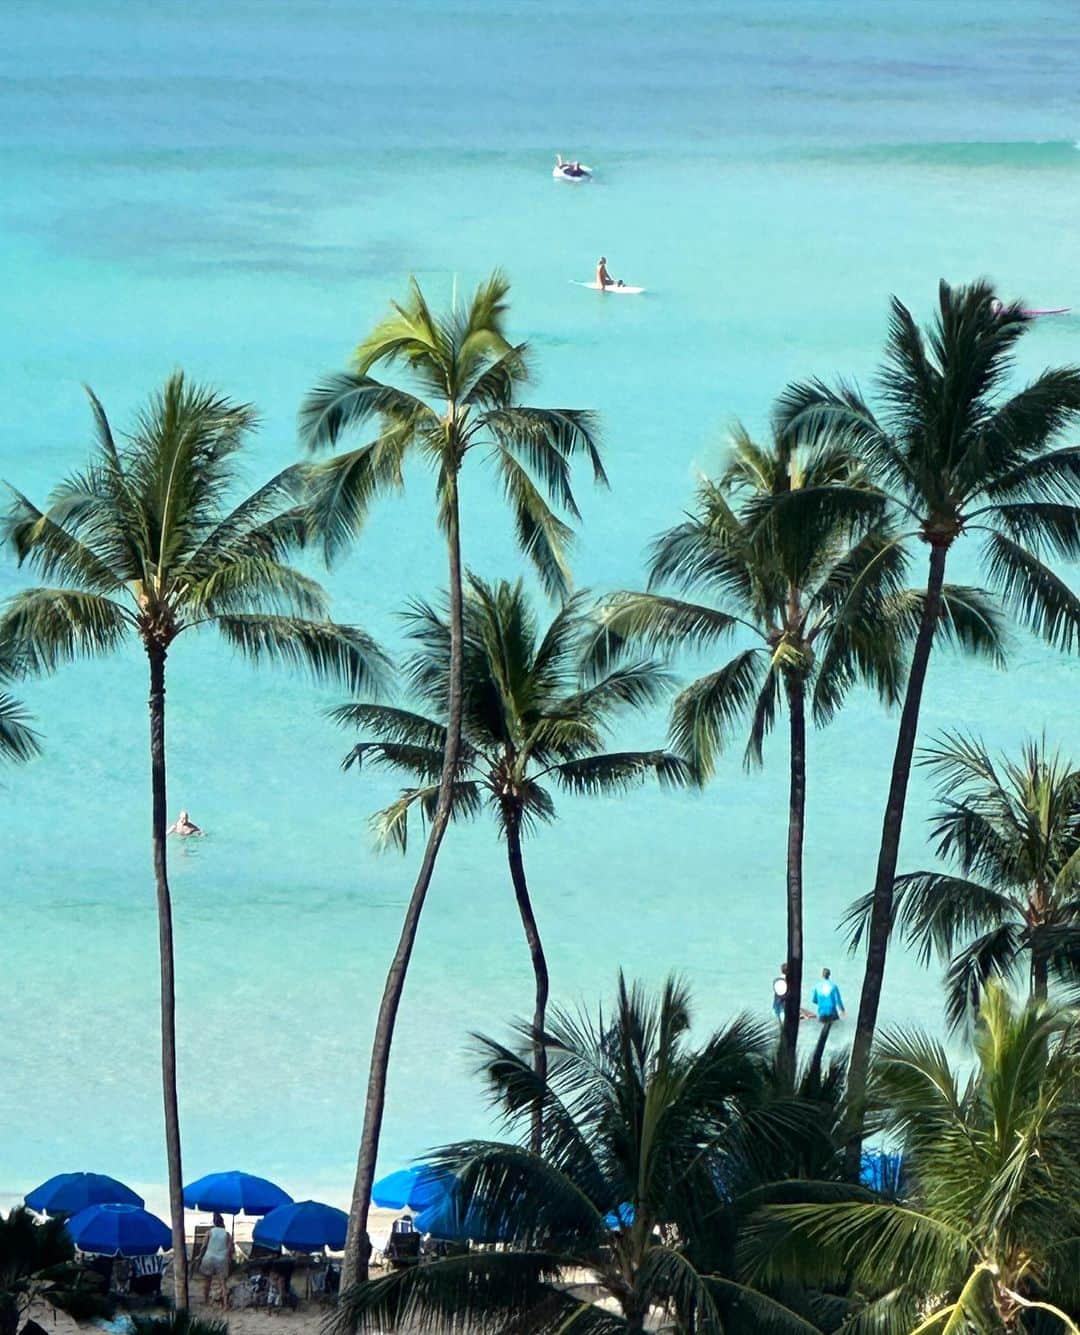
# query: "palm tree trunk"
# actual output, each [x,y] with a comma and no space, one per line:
[796,691]
[1040,974]
[357,1244]
[539,963]
[156,654]
[881,913]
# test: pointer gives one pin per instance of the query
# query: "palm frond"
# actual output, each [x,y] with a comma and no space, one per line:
[621,771]
[348,400]
[654,623]
[1038,597]
[329,652]
[541,535]
[47,627]
[704,714]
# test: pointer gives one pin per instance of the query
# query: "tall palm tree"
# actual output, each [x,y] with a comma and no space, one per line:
[143,543]
[953,457]
[814,616]
[988,1232]
[641,1134]
[1012,829]
[527,724]
[18,740]
[466,376]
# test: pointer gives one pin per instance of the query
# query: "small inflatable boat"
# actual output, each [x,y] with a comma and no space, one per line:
[574,172]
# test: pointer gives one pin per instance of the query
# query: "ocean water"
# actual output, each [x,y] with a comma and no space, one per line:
[238,188]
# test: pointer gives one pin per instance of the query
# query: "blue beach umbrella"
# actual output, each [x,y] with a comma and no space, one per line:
[416,1188]
[623,1217]
[444,1220]
[235,1193]
[68,1193]
[304,1226]
[118,1230]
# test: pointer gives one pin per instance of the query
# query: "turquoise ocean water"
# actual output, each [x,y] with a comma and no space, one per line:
[238,188]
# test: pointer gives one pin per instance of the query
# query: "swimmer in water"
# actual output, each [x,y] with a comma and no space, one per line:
[183,825]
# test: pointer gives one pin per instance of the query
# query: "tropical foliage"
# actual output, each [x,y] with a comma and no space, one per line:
[465,377]
[144,544]
[1012,830]
[645,1138]
[953,456]
[38,1267]
[987,1234]
[528,724]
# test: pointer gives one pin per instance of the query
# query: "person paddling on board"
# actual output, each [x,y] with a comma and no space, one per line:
[603,278]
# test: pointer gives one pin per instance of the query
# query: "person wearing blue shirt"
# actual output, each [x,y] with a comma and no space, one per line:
[827,999]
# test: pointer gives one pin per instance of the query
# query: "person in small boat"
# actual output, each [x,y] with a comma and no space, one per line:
[576,169]
[183,825]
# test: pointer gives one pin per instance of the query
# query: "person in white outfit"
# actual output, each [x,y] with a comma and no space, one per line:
[217,1253]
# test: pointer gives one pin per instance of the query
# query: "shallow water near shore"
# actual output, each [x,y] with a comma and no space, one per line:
[238,189]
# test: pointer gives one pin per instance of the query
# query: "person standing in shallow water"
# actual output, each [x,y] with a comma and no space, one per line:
[827,999]
[780,991]
[183,825]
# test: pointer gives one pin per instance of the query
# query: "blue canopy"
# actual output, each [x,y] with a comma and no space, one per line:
[235,1193]
[68,1193]
[444,1220]
[882,1170]
[623,1217]
[118,1230]
[304,1226]
[416,1188]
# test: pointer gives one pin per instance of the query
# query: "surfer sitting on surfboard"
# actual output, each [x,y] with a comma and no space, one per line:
[603,278]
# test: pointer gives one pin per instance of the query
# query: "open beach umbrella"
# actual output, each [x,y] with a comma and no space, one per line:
[118,1230]
[68,1193]
[304,1226]
[623,1217]
[234,1193]
[444,1220]
[416,1188]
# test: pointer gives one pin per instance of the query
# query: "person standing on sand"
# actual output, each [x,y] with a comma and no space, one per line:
[216,1255]
[827,999]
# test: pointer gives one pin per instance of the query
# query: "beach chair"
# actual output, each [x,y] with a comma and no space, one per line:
[403,1250]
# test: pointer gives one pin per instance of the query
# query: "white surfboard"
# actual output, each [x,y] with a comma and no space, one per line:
[617,289]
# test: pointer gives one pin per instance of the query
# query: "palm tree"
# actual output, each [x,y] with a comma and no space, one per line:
[1012,829]
[18,740]
[990,1229]
[953,457]
[464,363]
[142,543]
[641,1133]
[819,614]
[526,724]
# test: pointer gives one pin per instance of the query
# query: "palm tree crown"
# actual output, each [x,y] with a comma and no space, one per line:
[989,1223]
[467,376]
[142,541]
[1012,829]
[527,722]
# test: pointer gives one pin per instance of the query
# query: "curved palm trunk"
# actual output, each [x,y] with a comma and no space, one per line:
[539,962]
[156,654]
[882,910]
[796,692]
[357,1244]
